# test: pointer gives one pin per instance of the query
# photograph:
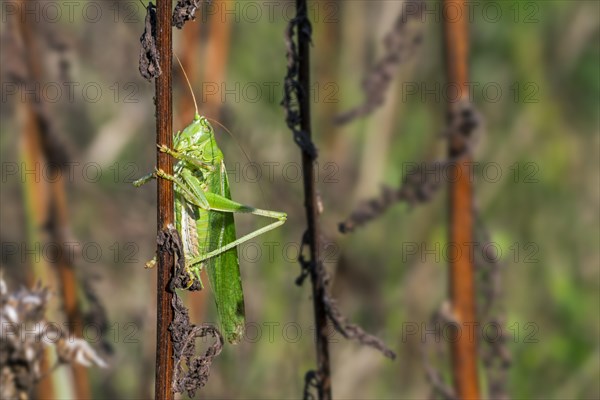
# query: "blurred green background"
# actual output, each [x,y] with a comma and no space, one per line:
[541,130]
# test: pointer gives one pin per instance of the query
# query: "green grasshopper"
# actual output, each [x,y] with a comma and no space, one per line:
[204,218]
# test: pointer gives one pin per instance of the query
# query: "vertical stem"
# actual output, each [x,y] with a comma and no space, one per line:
[462,268]
[310,203]
[68,280]
[164,135]
[35,200]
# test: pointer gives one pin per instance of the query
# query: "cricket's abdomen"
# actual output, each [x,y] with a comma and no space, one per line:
[186,219]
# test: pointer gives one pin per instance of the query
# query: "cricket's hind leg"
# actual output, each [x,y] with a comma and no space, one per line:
[193,271]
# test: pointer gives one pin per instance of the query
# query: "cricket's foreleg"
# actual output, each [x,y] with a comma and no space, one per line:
[144,179]
[180,156]
[192,195]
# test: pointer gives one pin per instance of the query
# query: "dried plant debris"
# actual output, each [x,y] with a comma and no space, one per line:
[185,10]
[401,44]
[25,334]
[352,331]
[305,265]
[340,323]
[149,56]
[62,45]
[78,351]
[435,350]
[497,360]
[96,315]
[420,184]
[461,130]
[293,93]
[495,354]
[170,240]
[55,146]
[191,371]
[311,385]
[489,267]
[418,187]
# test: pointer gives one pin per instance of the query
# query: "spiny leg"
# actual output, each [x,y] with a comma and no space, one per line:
[195,198]
[181,156]
[237,242]
[192,192]
[223,204]
[144,179]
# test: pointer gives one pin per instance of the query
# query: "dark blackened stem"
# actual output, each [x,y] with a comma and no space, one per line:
[164,135]
[462,266]
[312,214]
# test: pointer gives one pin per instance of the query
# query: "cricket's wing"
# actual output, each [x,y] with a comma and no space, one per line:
[224,270]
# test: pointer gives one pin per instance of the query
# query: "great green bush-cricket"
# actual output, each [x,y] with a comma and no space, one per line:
[204,218]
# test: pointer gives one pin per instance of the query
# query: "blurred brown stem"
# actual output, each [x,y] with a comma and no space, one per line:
[35,194]
[462,267]
[164,135]
[54,208]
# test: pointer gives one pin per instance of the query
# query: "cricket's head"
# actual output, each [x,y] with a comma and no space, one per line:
[197,133]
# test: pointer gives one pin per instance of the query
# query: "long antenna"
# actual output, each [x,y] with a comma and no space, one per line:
[188,82]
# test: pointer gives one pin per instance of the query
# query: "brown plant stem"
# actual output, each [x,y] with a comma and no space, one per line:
[312,216]
[462,266]
[35,200]
[164,135]
[66,273]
